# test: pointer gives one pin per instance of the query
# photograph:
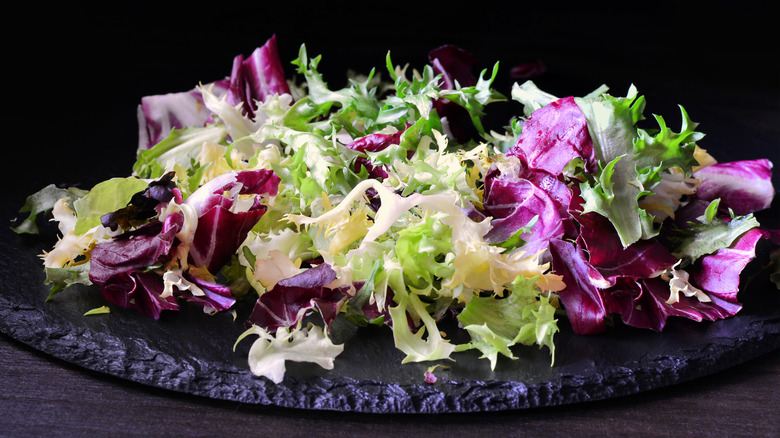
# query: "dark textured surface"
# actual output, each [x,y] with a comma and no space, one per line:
[44,396]
[191,352]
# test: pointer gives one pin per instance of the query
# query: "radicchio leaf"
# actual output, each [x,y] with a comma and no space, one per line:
[373,143]
[637,306]
[158,115]
[743,186]
[455,66]
[251,80]
[133,250]
[221,230]
[688,214]
[553,136]
[642,303]
[372,312]
[514,201]
[607,254]
[215,296]
[257,77]
[140,291]
[118,266]
[718,273]
[513,205]
[581,298]
[292,298]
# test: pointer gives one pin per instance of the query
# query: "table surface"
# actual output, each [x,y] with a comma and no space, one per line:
[41,395]
[729,75]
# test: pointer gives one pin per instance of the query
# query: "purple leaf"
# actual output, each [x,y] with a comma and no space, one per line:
[513,201]
[216,296]
[454,65]
[330,307]
[513,205]
[717,308]
[773,234]
[237,183]
[581,298]
[292,298]
[253,79]
[257,77]
[133,250]
[553,136]
[372,312]
[221,230]
[637,306]
[718,273]
[158,115]
[118,266]
[607,254]
[589,298]
[312,278]
[642,303]
[528,70]
[560,193]
[373,143]
[139,291]
[743,186]
[689,213]
[219,234]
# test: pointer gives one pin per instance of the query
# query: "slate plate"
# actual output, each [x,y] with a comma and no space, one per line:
[191,352]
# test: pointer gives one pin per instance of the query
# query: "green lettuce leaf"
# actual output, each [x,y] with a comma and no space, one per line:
[427,344]
[42,202]
[98,311]
[614,192]
[710,234]
[357,104]
[421,250]
[105,197]
[415,94]
[475,98]
[497,323]
[181,147]
[664,148]
[62,278]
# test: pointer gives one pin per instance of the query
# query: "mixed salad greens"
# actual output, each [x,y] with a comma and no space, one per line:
[389,203]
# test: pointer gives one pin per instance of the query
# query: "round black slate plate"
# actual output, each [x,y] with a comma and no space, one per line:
[191,352]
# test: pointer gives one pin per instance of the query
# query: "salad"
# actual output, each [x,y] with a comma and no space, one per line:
[388,202]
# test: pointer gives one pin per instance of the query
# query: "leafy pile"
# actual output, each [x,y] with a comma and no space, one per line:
[389,203]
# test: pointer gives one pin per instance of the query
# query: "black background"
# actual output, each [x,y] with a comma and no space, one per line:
[78,70]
